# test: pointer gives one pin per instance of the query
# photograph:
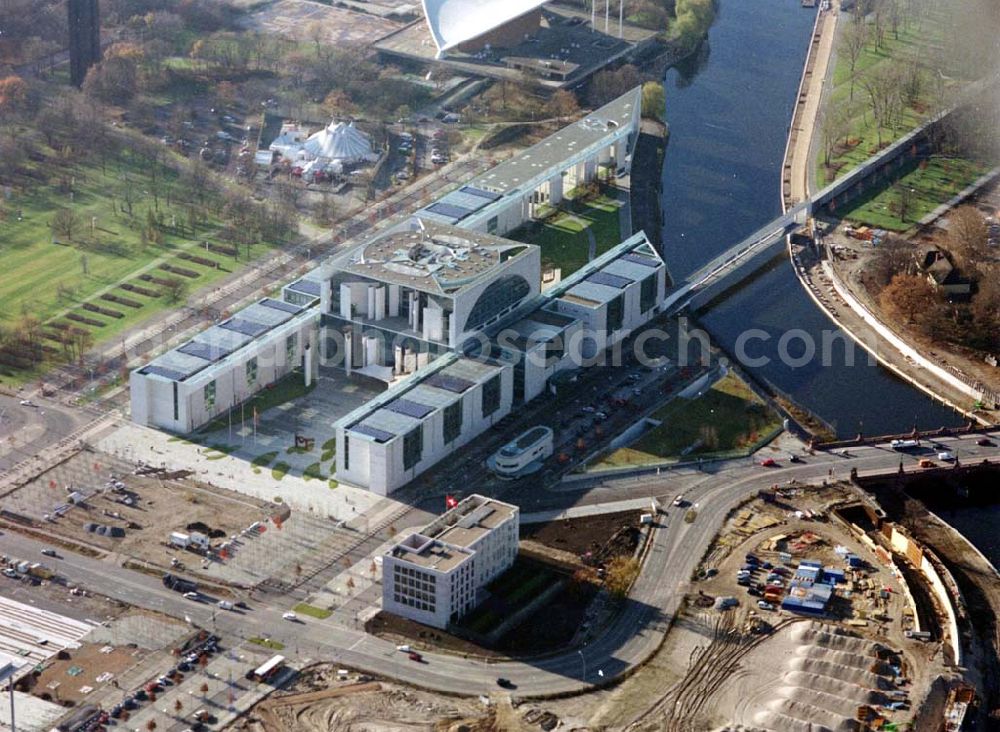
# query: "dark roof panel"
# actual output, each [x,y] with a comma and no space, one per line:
[373,432]
[453,384]
[206,351]
[604,278]
[306,287]
[409,408]
[166,373]
[449,209]
[640,259]
[473,191]
[244,326]
[280,305]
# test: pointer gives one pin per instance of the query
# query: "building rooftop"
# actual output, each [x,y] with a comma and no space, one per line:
[223,339]
[452,22]
[526,440]
[430,256]
[473,517]
[423,551]
[395,412]
[552,152]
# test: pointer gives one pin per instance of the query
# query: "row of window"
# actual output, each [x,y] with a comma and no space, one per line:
[252,372]
[414,603]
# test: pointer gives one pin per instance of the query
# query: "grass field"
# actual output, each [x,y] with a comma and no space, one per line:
[49,280]
[928,187]
[727,417]
[564,236]
[913,40]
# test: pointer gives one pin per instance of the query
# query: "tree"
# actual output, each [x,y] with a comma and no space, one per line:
[13,95]
[64,223]
[654,100]
[853,41]
[835,127]
[203,688]
[619,575]
[967,238]
[178,706]
[909,298]
[883,89]
[563,104]
[151,725]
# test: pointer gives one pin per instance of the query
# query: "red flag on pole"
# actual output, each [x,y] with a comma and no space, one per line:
[450,502]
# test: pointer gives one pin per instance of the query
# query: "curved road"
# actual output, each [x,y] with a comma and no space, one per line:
[636,632]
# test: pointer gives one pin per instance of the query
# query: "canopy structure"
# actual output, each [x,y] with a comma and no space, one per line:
[454,22]
[341,142]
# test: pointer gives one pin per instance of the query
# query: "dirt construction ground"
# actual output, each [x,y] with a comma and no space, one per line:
[159,506]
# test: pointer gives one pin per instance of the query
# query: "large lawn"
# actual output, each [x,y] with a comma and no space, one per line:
[564,236]
[926,187]
[727,417]
[50,276]
[914,40]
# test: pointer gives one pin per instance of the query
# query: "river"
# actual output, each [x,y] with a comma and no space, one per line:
[729,111]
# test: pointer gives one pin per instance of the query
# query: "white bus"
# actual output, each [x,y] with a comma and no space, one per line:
[269,668]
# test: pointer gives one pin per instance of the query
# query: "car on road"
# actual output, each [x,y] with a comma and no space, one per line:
[49,552]
[192,596]
[764,605]
[414,656]
[28,403]
[985,442]
[404,649]
[679,499]
[225,605]
[925,463]
[505,683]
[769,463]
[946,456]
[289,616]
[793,458]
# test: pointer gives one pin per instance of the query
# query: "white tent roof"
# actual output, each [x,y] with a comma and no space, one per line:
[339,141]
[453,22]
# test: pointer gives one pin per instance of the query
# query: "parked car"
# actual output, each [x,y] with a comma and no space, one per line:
[764,605]
[289,616]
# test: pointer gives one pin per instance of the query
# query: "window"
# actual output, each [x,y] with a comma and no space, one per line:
[291,347]
[252,372]
[347,452]
[491,225]
[647,293]
[491,396]
[176,404]
[209,396]
[498,297]
[616,314]
[413,447]
[452,421]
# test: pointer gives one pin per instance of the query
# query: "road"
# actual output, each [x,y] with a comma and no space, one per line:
[636,632]
[26,430]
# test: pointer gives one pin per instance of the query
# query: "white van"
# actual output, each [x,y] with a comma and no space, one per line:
[225,604]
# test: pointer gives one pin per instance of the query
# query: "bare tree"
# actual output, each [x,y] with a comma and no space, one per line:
[64,223]
[835,127]
[853,42]
[882,88]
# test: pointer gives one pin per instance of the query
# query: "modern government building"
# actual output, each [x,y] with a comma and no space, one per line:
[436,575]
[452,317]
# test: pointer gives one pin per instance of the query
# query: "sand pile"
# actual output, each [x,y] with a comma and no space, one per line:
[824,680]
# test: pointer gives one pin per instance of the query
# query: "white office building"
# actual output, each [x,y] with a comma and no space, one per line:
[393,438]
[435,575]
[188,386]
[416,291]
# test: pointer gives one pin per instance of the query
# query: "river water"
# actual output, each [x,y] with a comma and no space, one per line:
[729,111]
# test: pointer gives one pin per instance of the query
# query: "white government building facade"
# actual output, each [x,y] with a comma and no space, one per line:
[435,575]
[441,308]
